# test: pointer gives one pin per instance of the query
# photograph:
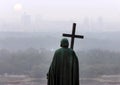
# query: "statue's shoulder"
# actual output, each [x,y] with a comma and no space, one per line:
[62,49]
[58,50]
[71,50]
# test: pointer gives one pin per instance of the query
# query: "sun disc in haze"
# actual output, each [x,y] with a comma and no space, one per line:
[18,7]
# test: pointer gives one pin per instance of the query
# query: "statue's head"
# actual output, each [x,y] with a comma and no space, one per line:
[64,43]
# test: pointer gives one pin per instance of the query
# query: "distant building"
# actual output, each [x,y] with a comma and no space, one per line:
[86,23]
[26,19]
[100,22]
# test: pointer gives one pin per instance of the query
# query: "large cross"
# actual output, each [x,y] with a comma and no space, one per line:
[73,36]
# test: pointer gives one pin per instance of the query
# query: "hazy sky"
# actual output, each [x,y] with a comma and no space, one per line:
[61,9]
[11,12]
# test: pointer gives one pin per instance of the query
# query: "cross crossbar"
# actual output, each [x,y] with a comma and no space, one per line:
[73,36]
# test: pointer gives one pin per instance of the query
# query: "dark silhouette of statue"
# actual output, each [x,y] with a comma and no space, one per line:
[64,69]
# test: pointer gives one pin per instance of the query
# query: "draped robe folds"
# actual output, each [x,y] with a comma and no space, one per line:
[64,69]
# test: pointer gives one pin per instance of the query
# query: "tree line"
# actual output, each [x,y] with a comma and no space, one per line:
[36,62]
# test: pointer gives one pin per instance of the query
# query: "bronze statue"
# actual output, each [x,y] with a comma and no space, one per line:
[64,69]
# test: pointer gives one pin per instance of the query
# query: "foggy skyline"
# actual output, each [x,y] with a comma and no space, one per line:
[62,9]
[52,12]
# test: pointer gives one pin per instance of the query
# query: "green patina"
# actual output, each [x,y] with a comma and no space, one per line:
[64,69]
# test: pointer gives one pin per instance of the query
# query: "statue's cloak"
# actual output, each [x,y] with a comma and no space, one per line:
[64,69]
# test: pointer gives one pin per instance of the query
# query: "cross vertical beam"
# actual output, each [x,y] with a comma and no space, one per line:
[73,36]
[73,33]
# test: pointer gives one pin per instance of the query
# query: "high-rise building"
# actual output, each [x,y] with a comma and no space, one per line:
[26,19]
